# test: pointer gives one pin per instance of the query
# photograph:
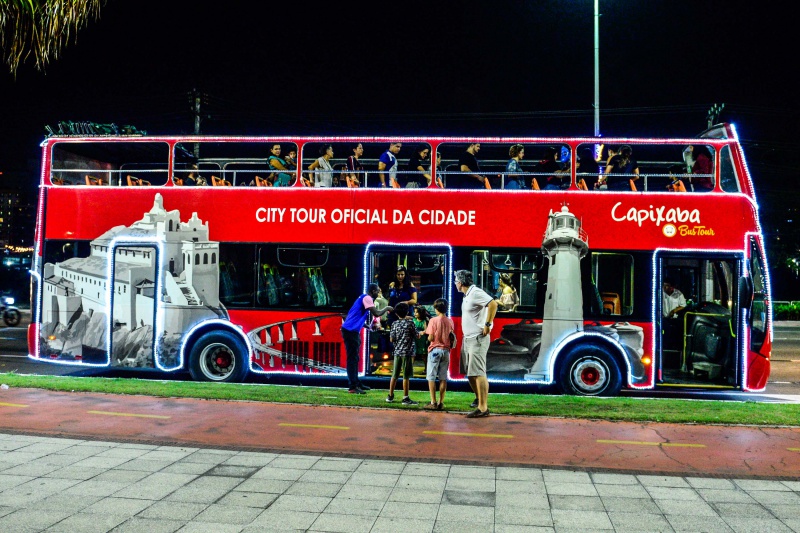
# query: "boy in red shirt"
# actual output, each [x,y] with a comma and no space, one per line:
[442,337]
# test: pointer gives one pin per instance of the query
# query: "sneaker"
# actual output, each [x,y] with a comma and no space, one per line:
[409,401]
[356,391]
[440,406]
[390,398]
[431,406]
[474,403]
[364,387]
[477,413]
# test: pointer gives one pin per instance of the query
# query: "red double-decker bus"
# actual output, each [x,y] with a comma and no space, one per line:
[616,263]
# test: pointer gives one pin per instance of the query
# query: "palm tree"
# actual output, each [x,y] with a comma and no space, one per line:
[41,28]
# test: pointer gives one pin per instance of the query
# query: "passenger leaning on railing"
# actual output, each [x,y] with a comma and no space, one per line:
[701,166]
[621,170]
[388,164]
[282,179]
[468,165]
[556,177]
[514,177]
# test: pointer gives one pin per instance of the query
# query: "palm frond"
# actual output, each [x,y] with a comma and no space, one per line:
[42,28]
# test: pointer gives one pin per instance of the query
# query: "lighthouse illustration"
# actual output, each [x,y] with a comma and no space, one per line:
[565,244]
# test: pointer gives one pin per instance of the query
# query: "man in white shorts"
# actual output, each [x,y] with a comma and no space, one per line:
[477,313]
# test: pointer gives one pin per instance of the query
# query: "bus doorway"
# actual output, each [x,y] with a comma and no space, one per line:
[405,273]
[698,320]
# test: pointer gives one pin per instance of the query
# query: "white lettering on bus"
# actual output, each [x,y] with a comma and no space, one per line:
[302,215]
[657,215]
[270,214]
[453,218]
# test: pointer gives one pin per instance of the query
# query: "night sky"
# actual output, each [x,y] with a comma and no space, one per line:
[466,68]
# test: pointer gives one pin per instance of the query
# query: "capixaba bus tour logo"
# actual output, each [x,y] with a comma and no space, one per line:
[672,221]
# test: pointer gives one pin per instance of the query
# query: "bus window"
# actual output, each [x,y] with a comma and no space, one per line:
[727,172]
[109,163]
[236,274]
[613,276]
[519,271]
[758,311]
[305,277]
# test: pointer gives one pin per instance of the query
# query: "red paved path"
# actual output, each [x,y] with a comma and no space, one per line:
[724,451]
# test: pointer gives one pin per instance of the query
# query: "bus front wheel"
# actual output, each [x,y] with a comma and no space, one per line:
[590,371]
[218,356]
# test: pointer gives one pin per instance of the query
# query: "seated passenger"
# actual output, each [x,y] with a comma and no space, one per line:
[556,177]
[291,159]
[589,170]
[514,173]
[509,298]
[621,170]
[282,179]
[676,172]
[700,160]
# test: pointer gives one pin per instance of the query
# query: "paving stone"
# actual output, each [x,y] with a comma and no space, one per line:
[422,511]
[271,472]
[340,505]
[205,489]
[662,481]
[125,453]
[273,486]
[673,493]
[325,476]
[262,500]
[720,495]
[686,508]
[337,464]
[470,484]
[401,525]
[520,486]
[228,514]
[76,472]
[710,483]
[472,472]
[614,479]
[87,523]
[381,467]
[757,525]
[373,479]
[586,503]
[303,462]
[622,491]
[564,519]
[250,459]
[275,519]
[629,522]
[565,476]
[760,484]
[232,471]
[173,510]
[630,505]
[414,495]
[209,527]
[38,519]
[522,516]
[147,525]
[570,489]
[519,474]
[462,497]
[694,523]
[314,489]
[426,470]
[775,497]
[343,523]
[461,513]
[111,505]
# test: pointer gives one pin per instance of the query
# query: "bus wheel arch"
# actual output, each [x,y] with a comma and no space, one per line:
[219,354]
[590,368]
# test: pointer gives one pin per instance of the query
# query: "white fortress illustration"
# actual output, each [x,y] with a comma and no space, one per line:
[74,307]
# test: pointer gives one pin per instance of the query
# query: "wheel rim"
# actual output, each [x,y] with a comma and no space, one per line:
[217,362]
[13,317]
[589,375]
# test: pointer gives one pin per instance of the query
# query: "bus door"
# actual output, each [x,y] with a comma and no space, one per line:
[425,272]
[697,320]
[134,289]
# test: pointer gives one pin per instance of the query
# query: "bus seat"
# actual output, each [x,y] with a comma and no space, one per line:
[56,181]
[394,183]
[582,185]
[633,185]
[439,182]
[262,182]
[177,181]
[678,186]
[534,184]
[611,303]
[134,182]
[487,184]
[219,182]
[91,180]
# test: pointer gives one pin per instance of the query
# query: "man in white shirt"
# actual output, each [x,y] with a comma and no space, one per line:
[672,300]
[477,312]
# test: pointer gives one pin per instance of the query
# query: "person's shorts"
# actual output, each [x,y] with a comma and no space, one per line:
[405,363]
[438,363]
[473,350]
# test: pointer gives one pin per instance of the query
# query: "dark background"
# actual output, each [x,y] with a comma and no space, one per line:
[433,68]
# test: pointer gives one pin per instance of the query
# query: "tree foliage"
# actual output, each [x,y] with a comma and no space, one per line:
[41,28]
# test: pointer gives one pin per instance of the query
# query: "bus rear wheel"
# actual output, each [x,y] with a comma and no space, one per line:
[218,356]
[590,371]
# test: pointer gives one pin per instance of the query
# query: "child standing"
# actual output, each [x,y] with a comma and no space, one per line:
[441,334]
[421,318]
[402,334]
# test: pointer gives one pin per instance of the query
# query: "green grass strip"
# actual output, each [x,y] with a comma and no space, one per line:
[620,408]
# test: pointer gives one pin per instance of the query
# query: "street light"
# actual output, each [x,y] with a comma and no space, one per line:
[596,68]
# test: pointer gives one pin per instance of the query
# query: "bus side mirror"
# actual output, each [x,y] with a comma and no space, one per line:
[745,292]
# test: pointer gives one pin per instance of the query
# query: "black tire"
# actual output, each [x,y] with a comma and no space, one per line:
[588,370]
[218,356]
[12,317]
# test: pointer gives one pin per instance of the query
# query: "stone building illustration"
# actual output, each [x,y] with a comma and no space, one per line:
[165,279]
